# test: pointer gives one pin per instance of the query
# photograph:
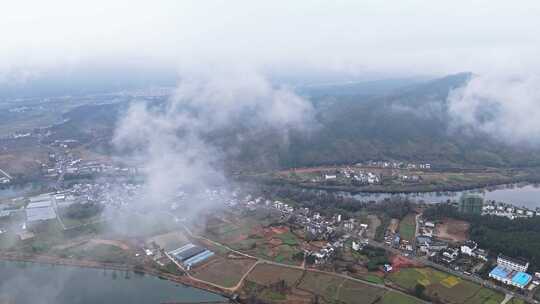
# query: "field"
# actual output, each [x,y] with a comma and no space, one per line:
[226,272]
[444,287]
[264,274]
[398,298]
[100,250]
[329,287]
[333,288]
[254,236]
[452,230]
[407,227]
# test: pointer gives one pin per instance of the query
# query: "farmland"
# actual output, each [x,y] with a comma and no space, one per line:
[223,271]
[256,237]
[407,227]
[330,288]
[444,287]
[394,297]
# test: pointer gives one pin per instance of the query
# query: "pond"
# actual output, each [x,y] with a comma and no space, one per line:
[25,282]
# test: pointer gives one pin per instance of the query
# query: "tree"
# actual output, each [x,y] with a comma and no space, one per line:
[419,290]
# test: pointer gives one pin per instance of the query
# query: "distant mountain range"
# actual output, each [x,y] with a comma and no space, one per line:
[396,120]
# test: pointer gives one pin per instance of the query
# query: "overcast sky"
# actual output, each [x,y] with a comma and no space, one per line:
[354,37]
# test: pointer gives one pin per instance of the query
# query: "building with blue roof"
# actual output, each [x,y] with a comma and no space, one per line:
[510,277]
[521,279]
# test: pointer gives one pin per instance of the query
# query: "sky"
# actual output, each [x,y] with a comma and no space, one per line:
[360,38]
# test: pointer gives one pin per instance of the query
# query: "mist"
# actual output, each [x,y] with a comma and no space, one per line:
[504,107]
[350,39]
[174,142]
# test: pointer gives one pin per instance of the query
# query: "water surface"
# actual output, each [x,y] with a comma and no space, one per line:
[25,282]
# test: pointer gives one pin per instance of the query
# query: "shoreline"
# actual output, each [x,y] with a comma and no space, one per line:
[356,190]
[52,260]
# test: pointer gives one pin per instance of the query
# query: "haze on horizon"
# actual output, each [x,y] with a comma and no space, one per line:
[352,39]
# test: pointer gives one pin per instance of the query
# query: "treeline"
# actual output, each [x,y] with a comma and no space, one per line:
[518,238]
[328,203]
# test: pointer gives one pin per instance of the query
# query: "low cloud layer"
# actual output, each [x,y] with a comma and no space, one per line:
[171,141]
[504,107]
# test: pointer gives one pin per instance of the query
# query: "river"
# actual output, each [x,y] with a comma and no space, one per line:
[26,282]
[519,195]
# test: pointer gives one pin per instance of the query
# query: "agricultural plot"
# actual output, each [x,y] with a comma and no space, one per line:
[355,292]
[323,284]
[398,298]
[407,227]
[100,251]
[443,287]
[452,230]
[223,271]
[486,296]
[304,285]
[265,274]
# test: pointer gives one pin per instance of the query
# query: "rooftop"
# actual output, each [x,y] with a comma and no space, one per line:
[41,204]
[521,278]
[513,260]
[500,272]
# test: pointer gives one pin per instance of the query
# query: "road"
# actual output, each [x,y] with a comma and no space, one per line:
[264,261]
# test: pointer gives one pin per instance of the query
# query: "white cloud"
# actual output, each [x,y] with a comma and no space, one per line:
[506,107]
[171,143]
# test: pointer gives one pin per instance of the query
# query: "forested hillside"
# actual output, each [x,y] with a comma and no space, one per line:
[406,122]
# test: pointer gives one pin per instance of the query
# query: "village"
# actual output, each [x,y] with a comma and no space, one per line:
[242,231]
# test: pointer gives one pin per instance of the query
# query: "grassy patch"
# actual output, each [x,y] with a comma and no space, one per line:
[486,296]
[398,298]
[407,227]
[373,279]
[288,239]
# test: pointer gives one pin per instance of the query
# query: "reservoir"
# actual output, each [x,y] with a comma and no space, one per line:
[26,282]
[516,194]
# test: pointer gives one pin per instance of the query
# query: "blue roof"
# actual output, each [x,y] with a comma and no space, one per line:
[521,278]
[499,272]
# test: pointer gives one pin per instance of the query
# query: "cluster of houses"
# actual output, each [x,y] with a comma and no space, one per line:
[315,225]
[67,165]
[434,247]
[353,175]
[396,165]
[506,210]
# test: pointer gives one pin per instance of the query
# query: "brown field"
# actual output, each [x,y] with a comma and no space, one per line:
[223,271]
[265,274]
[452,230]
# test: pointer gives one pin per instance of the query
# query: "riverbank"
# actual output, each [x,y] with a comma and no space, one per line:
[53,260]
[412,189]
